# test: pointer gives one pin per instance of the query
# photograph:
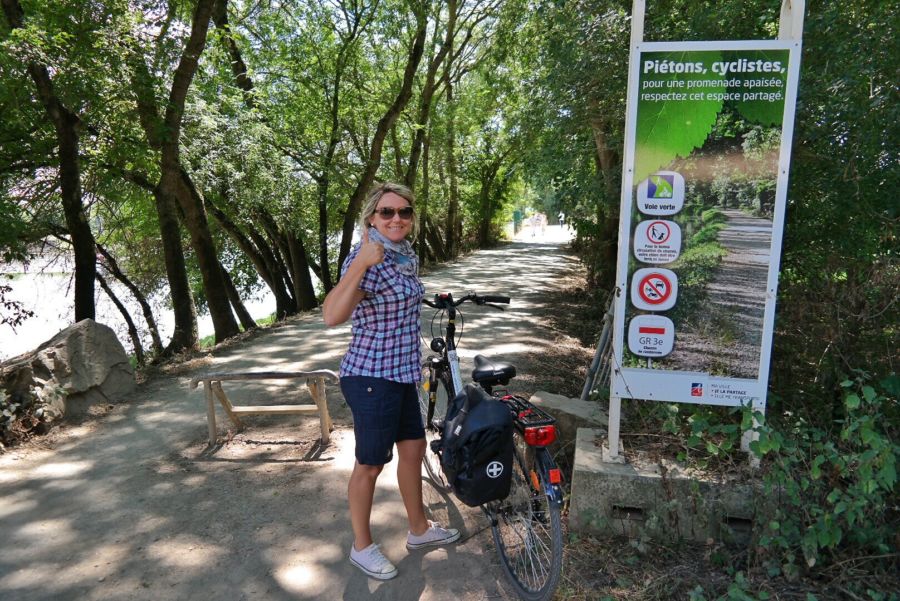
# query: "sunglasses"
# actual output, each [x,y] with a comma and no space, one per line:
[389,212]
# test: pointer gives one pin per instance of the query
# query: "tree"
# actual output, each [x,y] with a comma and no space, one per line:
[175,186]
[66,124]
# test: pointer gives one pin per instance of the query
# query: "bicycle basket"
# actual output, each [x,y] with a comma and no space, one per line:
[477,447]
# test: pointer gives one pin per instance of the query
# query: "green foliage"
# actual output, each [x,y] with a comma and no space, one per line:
[833,492]
[711,435]
[713,216]
[666,130]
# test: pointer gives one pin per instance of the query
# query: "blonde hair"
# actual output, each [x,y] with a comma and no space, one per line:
[375,195]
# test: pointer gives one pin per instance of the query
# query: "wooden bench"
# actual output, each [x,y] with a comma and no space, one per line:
[315,381]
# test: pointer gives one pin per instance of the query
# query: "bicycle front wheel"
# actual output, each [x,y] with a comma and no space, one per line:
[432,381]
[527,532]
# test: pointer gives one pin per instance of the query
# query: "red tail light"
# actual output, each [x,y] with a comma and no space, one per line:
[555,476]
[540,436]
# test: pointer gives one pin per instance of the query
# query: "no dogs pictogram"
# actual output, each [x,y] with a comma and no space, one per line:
[654,289]
[659,232]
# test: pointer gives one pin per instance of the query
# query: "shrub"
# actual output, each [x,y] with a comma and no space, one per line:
[834,492]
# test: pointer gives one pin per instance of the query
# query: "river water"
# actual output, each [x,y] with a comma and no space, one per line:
[46,287]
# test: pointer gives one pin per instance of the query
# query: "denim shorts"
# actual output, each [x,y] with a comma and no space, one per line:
[384,412]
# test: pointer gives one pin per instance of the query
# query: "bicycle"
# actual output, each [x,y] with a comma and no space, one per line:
[525,524]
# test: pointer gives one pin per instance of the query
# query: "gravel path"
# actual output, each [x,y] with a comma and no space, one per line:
[132,504]
[725,340]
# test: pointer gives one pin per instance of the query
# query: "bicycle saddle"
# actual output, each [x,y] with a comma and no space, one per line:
[490,373]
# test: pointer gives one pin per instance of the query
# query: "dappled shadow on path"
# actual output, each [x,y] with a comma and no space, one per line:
[135,505]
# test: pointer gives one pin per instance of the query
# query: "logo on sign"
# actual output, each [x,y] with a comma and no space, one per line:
[661,186]
[697,389]
[661,194]
[651,336]
[654,289]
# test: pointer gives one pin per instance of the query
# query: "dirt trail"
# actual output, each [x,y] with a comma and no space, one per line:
[726,338]
[132,505]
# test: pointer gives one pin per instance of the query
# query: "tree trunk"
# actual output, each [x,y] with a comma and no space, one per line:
[304,292]
[435,240]
[452,231]
[176,183]
[277,268]
[607,161]
[66,124]
[132,331]
[113,267]
[422,199]
[234,298]
[381,131]
[184,336]
[427,94]
[274,281]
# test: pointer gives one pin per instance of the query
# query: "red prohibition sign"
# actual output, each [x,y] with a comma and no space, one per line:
[654,288]
[658,232]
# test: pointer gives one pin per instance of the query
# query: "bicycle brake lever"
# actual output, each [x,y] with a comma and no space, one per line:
[496,306]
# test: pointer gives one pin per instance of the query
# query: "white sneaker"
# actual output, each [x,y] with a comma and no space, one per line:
[435,536]
[371,561]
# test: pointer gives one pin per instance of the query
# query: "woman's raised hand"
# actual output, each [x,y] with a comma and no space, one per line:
[370,252]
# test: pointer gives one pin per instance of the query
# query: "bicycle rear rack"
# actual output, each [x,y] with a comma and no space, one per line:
[526,413]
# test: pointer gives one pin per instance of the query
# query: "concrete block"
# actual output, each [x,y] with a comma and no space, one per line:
[571,414]
[656,499]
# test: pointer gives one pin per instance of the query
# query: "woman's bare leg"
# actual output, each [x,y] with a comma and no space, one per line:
[360,492]
[409,477]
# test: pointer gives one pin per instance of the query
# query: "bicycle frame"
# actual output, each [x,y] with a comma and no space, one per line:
[525,524]
[527,418]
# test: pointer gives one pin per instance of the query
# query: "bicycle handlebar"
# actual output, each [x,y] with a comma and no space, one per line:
[445,300]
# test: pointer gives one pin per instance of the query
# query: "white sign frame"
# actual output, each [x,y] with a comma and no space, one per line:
[661,385]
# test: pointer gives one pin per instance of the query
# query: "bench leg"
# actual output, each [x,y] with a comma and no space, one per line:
[226,405]
[317,391]
[210,413]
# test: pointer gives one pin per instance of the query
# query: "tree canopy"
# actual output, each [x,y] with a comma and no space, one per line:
[200,150]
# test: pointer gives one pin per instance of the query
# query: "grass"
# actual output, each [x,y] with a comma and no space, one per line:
[263,322]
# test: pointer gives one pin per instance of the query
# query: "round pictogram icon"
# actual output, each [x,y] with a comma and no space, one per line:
[655,288]
[659,232]
[494,469]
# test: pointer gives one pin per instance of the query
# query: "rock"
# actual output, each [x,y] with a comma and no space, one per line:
[80,366]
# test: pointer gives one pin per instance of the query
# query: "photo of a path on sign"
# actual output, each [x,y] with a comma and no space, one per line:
[714,119]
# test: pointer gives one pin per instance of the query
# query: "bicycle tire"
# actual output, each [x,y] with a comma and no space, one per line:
[432,460]
[527,533]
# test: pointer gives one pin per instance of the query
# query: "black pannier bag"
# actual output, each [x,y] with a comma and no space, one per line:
[477,447]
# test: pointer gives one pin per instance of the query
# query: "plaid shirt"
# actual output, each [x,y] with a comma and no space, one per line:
[385,324]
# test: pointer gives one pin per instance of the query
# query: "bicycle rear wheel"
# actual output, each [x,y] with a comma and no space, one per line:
[431,380]
[527,532]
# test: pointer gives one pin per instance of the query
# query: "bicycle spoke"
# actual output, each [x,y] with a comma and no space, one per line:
[528,537]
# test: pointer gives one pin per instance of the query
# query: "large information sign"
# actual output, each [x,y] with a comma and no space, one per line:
[706,167]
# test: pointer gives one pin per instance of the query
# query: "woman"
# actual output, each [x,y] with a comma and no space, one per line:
[381,292]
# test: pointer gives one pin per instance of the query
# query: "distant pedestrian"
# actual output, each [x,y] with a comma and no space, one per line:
[381,293]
